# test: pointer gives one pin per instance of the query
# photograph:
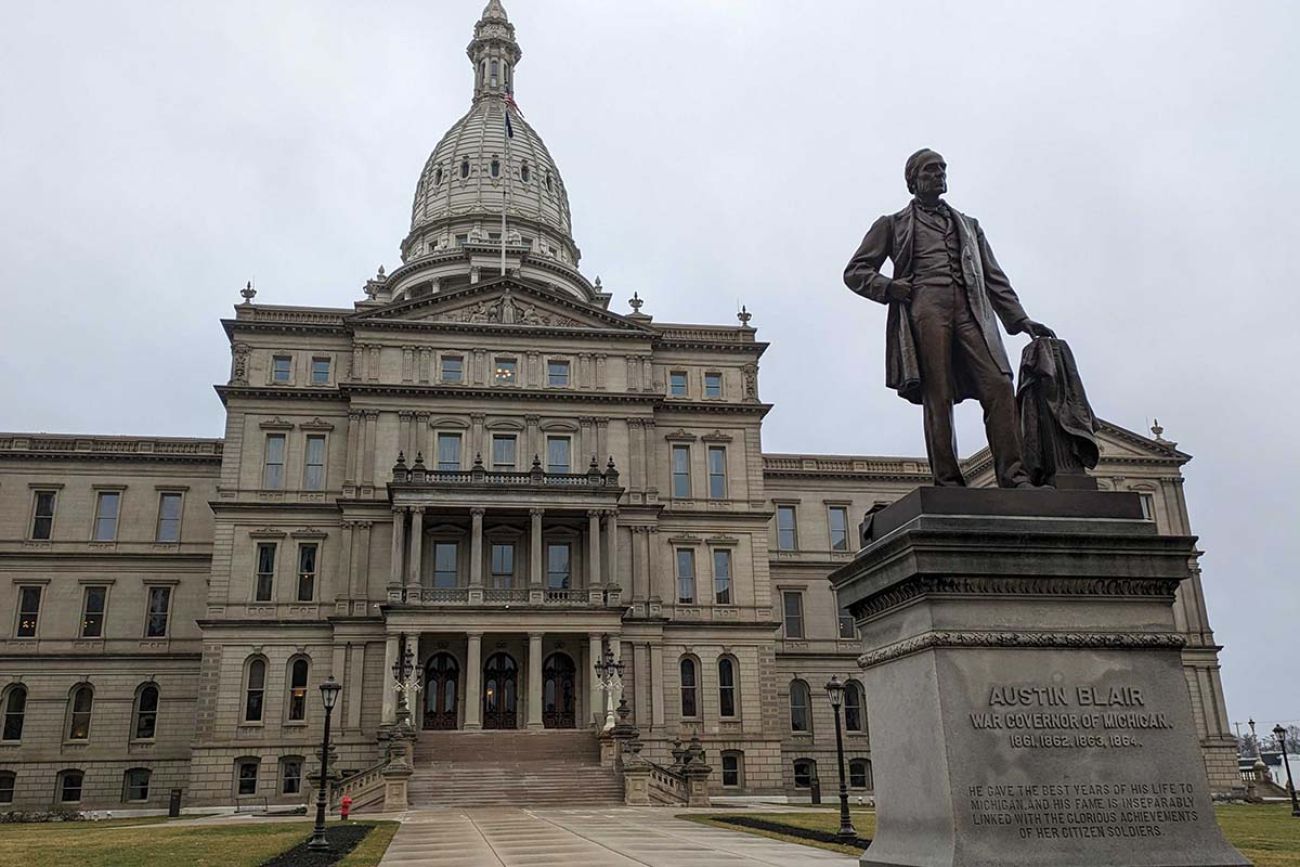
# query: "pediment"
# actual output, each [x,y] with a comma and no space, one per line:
[501,303]
[1121,443]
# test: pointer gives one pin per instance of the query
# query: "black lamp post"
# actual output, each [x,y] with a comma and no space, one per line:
[1280,734]
[329,693]
[835,692]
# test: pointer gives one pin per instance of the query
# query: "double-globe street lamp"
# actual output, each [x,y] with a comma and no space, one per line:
[835,692]
[329,693]
[1280,733]
[609,674]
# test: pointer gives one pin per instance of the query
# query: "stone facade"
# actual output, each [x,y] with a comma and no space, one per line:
[486,462]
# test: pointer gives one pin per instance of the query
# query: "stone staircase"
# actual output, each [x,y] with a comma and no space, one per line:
[515,768]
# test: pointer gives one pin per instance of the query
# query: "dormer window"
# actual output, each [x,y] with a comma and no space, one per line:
[523,171]
[464,168]
[496,167]
[549,186]
[437,177]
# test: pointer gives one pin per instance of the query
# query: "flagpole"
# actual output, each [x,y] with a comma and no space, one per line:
[505,194]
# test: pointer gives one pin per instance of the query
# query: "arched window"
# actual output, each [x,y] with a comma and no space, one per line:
[68,786]
[255,690]
[727,687]
[146,712]
[464,168]
[860,774]
[496,68]
[805,771]
[7,781]
[800,707]
[690,688]
[15,708]
[83,700]
[298,690]
[135,784]
[855,717]
[495,168]
[523,171]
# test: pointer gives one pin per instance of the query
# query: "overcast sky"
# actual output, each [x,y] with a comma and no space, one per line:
[1132,164]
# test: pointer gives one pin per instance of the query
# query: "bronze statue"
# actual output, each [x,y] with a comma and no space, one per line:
[942,345]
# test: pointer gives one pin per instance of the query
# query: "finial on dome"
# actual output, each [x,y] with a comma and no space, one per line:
[494,53]
[494,9]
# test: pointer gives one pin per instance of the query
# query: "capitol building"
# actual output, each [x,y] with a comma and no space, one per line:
[490,466]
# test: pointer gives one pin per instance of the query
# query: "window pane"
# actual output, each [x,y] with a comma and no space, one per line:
[70,787]
[146,714]
[136,785]
[159,605]
[43,515]
[503,565]
[690,707]
[83,700]
[717,472]
[265,571]
[681,471]
[686,576]
[713,385]
[320,371]
[557,567]
[730,770]
[29,611]
[15,709]
[557,455]
[448,452]
[314,464]
[92,612]
[256,687]
[307,572]
[169,517]
[506,369]
[799,700]
[786,539]
[503,452]
[557,374]
[453,369]
[444,564]
[248,778]
[273,470]
[280,366]
[298,690]
[106,516]
[853,707]
[839,521]
[722,576]
[7,779]
[291,777]
[726,687]
[677,383]
[848,629]
[793,614]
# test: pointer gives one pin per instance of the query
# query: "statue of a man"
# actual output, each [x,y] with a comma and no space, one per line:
[943,345]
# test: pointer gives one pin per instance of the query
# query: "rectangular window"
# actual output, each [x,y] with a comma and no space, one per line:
[557,374]
[506,371]
[677,383]
[722,576]
[1148,506]
[273,468]
[847,627]
[313,475]
[136,785]
[444,565]
[730,769]
[503,564]
[7,779]
[686,576]
[106,512]
[307,571]
[265,571]
[558,459]
[503,452]
[558,564]
[70,787]
[281,368]
[29,611]
[43,515]
[838,517]
[291,777]
[160,603]
[248,778]
[786,537]
[93,601]
[717,472]
[320,371]
[792,603]
[713,385]
[681,471]
[448,452]
[453,368]
[169,517]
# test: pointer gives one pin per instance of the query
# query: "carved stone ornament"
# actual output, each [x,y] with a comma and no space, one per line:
[506,311]
[240,374]
[1101,640]
[1160,588]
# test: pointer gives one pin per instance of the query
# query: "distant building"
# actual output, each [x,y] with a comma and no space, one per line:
[482,456]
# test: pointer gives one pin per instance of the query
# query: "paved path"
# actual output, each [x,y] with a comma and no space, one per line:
[594,837]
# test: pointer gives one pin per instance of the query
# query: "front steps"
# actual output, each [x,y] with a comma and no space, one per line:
[511,768]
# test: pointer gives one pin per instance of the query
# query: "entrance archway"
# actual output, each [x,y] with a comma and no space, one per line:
[441,677]
[500,692]
[559,692]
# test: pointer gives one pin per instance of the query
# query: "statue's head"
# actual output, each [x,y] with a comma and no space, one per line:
[926,173]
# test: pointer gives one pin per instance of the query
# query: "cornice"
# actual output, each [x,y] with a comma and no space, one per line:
[75,448]
[501,393]
[225,392]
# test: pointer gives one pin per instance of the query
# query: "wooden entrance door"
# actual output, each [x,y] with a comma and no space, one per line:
[500,692]
[559,692]
[441,676]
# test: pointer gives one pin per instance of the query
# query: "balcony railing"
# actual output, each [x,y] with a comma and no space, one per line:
[417,474]
[503,597]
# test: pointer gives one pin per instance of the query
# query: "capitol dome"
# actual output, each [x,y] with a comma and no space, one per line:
[490,161]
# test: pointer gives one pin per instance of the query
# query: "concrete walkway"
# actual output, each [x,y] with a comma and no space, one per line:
[594,837]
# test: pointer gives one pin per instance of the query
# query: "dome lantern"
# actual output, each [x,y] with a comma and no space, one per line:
[494,52]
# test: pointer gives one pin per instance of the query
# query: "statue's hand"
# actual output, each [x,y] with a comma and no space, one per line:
[899,290]
[1036,329]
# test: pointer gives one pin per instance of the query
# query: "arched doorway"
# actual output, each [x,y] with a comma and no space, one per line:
[559,692]
[441,675]
[500,692]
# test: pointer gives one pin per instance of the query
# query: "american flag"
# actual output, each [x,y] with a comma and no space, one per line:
[511,106]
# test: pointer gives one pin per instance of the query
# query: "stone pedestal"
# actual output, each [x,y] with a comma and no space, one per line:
[1024,684]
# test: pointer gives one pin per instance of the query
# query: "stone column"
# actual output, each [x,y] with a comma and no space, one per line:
[476,438]
[473,680]
[395,579]
[390,694]
[596,703]
[417,549]
[611,547]
[593,548]
[533,438]
[536,568]
[476,547]
[657,683]
[535,680]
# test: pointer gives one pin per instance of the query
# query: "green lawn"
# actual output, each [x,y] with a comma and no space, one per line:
[150,843]
[1268,835]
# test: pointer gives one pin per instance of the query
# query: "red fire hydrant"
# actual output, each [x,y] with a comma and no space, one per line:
[345,807]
